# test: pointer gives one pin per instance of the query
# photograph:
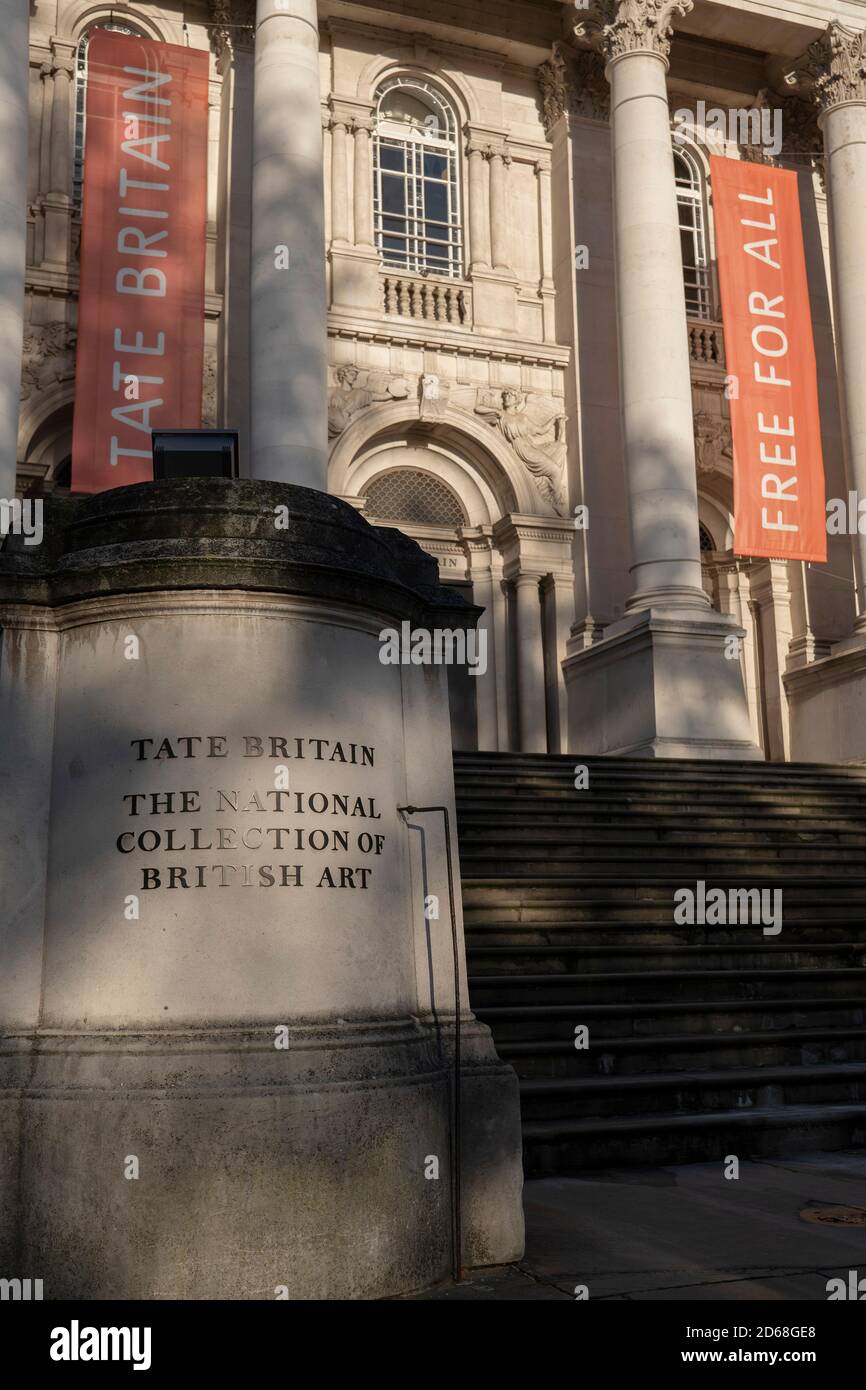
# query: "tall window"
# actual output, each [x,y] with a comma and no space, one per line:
[416,191]
[693,235]
[80,99]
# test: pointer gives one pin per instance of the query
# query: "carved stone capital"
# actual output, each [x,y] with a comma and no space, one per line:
[801,134]
[233,25]
[572,82]
[833,68]
[618,27]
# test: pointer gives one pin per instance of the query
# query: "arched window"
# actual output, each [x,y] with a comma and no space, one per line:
[81,97]
[416,191]
[707,542]
[693,235]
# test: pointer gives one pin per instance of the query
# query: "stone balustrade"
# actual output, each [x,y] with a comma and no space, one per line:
[706,343]
[434,301]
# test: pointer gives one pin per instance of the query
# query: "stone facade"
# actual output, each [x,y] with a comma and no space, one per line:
[512,379]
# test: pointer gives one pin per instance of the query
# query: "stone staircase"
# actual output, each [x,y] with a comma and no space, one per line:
[703,1040]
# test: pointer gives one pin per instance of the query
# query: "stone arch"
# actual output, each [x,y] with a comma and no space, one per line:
[79,16]
[430,68]
[714,515]
[45,431]
[475,461]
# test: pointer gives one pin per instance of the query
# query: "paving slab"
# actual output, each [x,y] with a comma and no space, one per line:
[777,1232]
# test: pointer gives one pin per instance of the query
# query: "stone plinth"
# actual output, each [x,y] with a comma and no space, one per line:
[228,1022]
[660,685]
[827,700]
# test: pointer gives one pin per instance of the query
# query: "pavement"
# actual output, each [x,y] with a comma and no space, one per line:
[777,1232]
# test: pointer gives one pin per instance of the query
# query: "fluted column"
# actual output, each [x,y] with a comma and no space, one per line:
[634,38]
[479,208]
[834,69]
[14,78]
[530,665]
[500,161]
[363,128]
[288,316]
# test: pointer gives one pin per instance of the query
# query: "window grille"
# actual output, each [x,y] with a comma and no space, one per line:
[408,494]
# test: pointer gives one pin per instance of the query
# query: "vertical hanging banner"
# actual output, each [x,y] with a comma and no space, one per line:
[779,502]
[141,304]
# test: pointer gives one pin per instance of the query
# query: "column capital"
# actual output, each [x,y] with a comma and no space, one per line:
[63,53]
[619,27]
[232,26]
[833,68]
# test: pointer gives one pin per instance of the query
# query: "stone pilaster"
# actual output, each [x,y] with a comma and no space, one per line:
[546,286]
[500,162]
[530,664]
[355,280]
[494,282]
[288,309]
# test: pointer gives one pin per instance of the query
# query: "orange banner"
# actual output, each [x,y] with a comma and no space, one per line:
[779,503]
[141,306]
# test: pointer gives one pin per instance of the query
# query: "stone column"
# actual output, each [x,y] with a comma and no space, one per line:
[479,551]
[479,208]
[499,163]
[14,78]
[659,683]
[834,69]
[339,181]
[530,665]
[288,312]
[651,310]
[57,202]
[363,128]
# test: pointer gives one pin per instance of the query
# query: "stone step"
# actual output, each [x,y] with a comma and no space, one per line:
[587,960]
[616,822]
[678,1092]
[568,908]
[666,855]
[650,1019]
[683,1052]
[613,987]
[704,771]
[560,1147]
[626,935]
[554,892]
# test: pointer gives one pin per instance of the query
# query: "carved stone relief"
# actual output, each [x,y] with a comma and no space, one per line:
[49,357]
[531,424]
